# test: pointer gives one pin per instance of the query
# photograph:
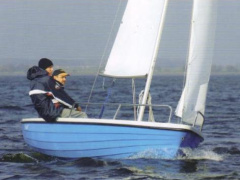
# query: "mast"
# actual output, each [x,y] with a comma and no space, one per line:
[152,66]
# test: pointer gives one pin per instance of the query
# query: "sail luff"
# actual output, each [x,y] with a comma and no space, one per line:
[201,48]
[179,109]
[154,59]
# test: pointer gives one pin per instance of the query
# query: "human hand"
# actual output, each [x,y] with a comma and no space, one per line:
[49,94]
[79,108]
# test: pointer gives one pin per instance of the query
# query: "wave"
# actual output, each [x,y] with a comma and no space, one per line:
[9,139]
[89,162]
[25,158]
[29,105]
[224,150]
[11,107]
[200,154]
[154,154]
[122,171]
[18,158]
[185,154]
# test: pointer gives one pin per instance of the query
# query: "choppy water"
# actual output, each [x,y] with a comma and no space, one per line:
[218,157]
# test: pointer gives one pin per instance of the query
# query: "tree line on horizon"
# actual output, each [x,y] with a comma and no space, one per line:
[21,69]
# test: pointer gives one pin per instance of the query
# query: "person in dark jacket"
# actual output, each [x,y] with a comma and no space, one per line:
[56,84]
[40,93]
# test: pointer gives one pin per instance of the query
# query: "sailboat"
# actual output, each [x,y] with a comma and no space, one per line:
[133,55]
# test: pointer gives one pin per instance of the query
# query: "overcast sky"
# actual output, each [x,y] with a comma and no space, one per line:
[76,31]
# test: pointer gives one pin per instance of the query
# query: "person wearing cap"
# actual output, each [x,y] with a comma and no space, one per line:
[40,92]
[61,98]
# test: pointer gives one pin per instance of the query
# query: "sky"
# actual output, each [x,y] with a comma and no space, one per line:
[79,32]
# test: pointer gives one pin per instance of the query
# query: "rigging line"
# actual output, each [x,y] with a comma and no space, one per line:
[104,52]
[103,84]
[109,92]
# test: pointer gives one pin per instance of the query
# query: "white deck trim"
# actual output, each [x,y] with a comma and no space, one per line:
[155,125]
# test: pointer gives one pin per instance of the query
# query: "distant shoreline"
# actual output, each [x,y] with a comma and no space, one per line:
[87,70]
[14,74]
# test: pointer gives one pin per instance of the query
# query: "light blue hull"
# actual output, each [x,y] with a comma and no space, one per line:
[83,139]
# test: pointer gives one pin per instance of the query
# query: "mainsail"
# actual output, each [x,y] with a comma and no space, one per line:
[133,50]
[191,106]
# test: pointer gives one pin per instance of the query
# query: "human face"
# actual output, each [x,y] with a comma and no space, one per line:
[61,78]
[49,70]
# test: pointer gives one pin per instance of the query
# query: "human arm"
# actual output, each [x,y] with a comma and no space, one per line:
[60,95]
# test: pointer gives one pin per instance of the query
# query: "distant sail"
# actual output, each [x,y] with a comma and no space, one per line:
[199,62]
[134,46]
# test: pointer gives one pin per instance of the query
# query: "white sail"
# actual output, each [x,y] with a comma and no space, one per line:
[136,41]
[192,102]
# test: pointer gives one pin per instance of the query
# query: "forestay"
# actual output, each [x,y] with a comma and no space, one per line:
[192,102]
[133,49]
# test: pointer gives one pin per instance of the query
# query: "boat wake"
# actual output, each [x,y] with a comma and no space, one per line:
[155,154]
[200,154]
[186,154]
[215,154]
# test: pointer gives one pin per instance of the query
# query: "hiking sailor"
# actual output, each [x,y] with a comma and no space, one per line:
[40,92]
[61,98]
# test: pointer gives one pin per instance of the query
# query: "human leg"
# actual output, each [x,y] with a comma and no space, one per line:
[74,114]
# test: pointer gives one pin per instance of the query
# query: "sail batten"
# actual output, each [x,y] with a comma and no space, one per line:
[193,99]
[133,49]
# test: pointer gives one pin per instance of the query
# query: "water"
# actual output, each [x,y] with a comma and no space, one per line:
[218,157]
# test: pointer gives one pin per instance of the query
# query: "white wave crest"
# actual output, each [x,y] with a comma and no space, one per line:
[200,154]
[155,154]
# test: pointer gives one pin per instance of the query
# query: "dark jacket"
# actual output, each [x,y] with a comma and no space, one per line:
[39,89]
[60,95]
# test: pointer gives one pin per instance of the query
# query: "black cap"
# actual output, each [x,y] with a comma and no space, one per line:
[60,71]
[44,63]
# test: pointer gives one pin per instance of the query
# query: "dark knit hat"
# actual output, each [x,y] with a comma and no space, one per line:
[44,63]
